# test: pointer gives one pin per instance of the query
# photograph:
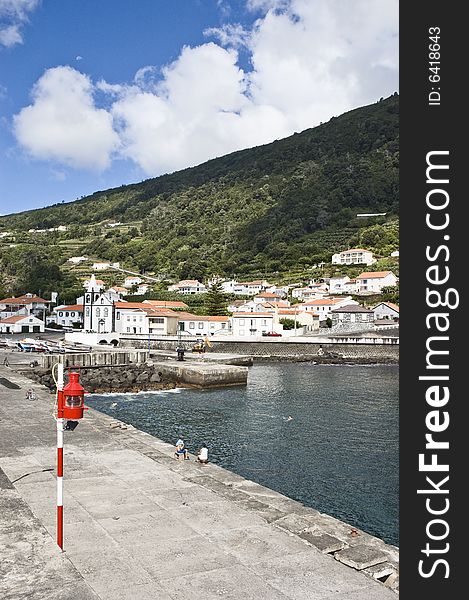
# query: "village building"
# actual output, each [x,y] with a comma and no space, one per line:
[77,259]
[202,325]
[171,304]
[69,315]
[132,280]
[352,316]
[312,292]
[253,288]
[354,256]
[21,324]
[350,287]
[337,284]
[118,290]
[100,266]
[324,306]
[188,286]
[374,282]
[254,324]
[386,310]
[268,297]
[27,304]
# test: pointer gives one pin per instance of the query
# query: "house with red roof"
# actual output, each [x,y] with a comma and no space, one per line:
[323,306]
[69,315]
[27,304]
[372,282]
[21,324]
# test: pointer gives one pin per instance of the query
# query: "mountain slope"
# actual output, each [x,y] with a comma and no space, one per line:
[268,207]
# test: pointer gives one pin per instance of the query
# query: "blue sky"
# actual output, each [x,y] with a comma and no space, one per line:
[98,93]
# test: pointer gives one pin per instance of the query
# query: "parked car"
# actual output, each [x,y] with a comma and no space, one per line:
[271,334]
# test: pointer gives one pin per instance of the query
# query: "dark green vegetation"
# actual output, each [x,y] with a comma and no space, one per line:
[276,209]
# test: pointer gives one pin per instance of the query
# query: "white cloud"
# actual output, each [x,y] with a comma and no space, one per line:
[63,124]
[13,15]
[309,60]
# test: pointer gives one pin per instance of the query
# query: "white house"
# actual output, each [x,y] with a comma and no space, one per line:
[354,256]
[350,287]
[118,291]
[67,315]
[351,315]
[141,318]
[323,306]
[21,324]
[203,325]
[269,297]
[100,266]
[313,292]
[188,286]
[337,284]
[77,259]
[374,282]
[386,310]
[132,280]
[254,324]
[142,289]
[252,288]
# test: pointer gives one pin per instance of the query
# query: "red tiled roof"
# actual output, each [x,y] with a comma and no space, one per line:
[166,303]
[184,316]
[76,307]
[15,319]
[251,315]
[322,301]
[23,300]
[374,274]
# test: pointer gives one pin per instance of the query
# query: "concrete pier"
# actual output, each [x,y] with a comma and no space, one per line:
[140,525]
[202,374]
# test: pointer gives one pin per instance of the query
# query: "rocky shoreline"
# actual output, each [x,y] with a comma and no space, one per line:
[117,379]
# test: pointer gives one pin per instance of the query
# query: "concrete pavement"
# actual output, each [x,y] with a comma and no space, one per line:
[140,525]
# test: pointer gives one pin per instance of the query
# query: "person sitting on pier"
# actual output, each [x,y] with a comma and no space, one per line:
[181,449]
[202,456]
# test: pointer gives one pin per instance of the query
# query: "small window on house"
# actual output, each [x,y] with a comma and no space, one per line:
[241,321]
[191,325]
[98,312]
[118,315]
[66,314]
[61,313]
[87,311]
[201,325]
[106,312]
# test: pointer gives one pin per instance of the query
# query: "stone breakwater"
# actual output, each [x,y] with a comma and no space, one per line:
[118,379]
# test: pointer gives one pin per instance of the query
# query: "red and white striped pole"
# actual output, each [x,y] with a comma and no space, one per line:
[60,454]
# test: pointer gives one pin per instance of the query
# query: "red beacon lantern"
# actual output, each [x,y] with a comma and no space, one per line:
[73,398]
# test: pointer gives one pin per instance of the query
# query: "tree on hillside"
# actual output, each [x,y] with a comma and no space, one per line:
[215,300]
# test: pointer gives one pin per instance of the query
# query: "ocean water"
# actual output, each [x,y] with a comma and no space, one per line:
[326,435]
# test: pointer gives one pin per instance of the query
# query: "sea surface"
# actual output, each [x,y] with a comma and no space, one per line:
[326,435]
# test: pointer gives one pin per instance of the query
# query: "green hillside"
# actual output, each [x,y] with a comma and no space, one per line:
[279,207]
